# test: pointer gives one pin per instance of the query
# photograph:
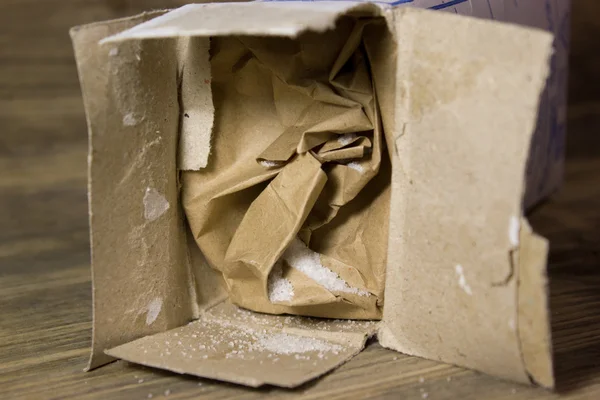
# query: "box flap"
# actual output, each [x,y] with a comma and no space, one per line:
[231,344]
[286,19]
[467,99]
[140,269]
[534,308]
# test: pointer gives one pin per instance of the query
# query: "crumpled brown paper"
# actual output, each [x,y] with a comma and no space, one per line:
[293,205]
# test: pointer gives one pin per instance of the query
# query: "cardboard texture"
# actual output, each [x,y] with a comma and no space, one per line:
[458,181]
[278,126]
[235,345]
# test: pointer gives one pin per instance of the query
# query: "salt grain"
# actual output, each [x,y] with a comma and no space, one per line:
[129,120]
[140,381]
[421,379]
[356,166]
[425,395]
[149,395]
[300,257]
[346,138]
[167,392]
[279,288]
[282,343]
[270,164]
[462,280]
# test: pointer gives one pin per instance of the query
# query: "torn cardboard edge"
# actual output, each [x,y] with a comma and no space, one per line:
[412,116]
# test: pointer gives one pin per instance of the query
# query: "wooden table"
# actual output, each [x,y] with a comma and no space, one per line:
[45,297]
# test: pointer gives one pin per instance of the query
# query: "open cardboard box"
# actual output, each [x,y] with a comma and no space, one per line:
[459,100]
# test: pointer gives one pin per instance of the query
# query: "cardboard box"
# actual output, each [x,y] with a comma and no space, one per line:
[459,100]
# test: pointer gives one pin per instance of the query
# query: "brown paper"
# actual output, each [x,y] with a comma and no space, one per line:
[454,97]
[311,94]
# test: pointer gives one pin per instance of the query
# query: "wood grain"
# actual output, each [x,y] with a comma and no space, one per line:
[45,293]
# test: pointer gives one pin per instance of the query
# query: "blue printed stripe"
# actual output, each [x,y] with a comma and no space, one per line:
[448,4]
[395,3]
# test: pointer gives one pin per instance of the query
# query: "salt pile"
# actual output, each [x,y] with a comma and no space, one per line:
[279,288]
[300,257]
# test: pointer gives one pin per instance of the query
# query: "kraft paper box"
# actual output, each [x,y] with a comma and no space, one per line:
[464,131]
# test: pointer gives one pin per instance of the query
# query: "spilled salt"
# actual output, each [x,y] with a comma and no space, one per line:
[129,119]
[153,308]
[279,288]
[514,229]
[270,164]
[300,257]
[462,280]
[282,343]
[155,204]
[346,138]
[356,166]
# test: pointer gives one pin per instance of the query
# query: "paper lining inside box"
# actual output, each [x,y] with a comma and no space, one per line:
[452,291]
[293,205]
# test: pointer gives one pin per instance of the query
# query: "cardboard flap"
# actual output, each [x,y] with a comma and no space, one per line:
[467,98]
[140,270]
[287,19]
[231,344]
[534,308]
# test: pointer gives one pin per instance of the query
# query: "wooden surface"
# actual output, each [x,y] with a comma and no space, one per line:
[45,297]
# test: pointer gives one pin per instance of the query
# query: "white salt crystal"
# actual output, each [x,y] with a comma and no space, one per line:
[279,288]
[356,166]
[167,392]
[346,138]
[282,343]
[129,119]
[462,280]
[425,395]
[421,379]
[153,309]
[141,381]
[149,395]
[300,257]
[270,164]
[514,229]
